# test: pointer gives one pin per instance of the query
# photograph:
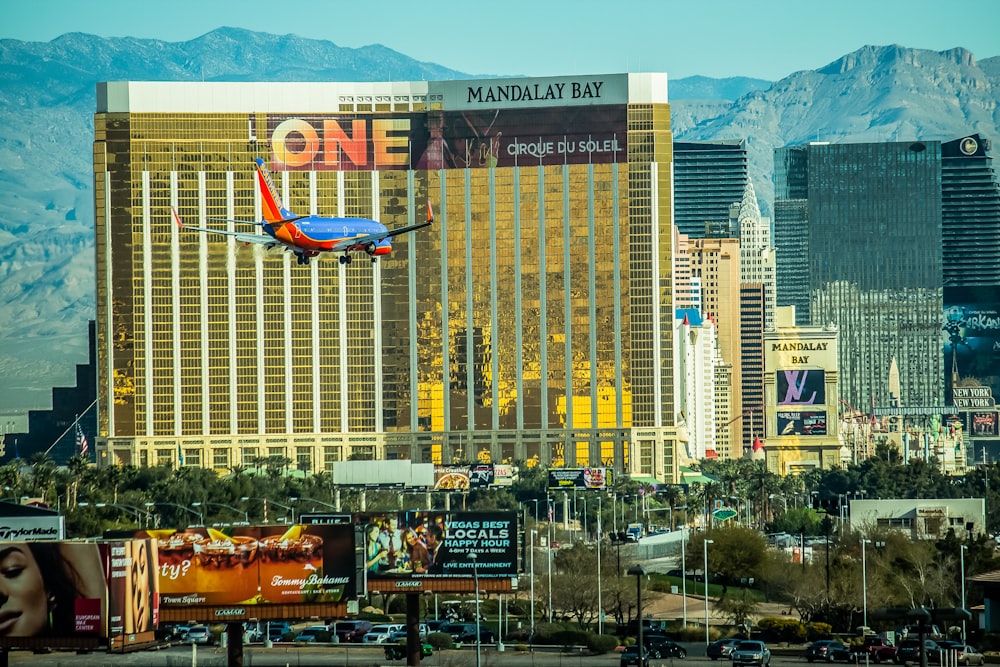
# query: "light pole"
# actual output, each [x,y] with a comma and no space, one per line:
[535,500]
[600,606]
[705,544]
[864,584]
[961,556]
[548,551]
[313,500]
[140,514]
[479,635]
[201,519]
[246,515]
[288,508]
[684,577]
[531,560]
[639,572]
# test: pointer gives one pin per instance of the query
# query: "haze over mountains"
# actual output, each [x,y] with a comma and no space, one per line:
[47,100]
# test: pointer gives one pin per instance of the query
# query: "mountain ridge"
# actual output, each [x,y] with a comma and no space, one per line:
[48,97]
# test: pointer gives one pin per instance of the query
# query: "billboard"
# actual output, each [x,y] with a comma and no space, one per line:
[255,564]
[801,387]
[971,343]
[580,478]
[130,569]
[801,423]
[475,138]
[437,544]
[52,589]
[475,476]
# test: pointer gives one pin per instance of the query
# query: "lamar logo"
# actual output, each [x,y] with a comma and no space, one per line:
[228,613]
[409,584]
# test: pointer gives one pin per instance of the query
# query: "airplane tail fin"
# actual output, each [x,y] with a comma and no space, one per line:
[274,211]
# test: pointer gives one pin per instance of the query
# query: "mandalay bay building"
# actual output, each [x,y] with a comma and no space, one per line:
[530,323]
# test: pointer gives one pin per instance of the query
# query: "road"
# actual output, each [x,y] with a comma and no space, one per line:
[291,656]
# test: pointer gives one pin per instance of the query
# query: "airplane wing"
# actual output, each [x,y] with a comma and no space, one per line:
[356,241]
[242,237]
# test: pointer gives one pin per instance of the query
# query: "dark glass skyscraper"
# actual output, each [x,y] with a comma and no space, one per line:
[865,221]
[709,176]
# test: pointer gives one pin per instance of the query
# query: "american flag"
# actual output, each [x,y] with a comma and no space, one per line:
[81,440]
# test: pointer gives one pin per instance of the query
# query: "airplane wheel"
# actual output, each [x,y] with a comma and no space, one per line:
[343,259]
[374,259]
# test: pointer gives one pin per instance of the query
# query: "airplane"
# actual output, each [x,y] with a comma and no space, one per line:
[309,235]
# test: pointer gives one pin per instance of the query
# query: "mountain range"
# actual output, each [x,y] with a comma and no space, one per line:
[48,96]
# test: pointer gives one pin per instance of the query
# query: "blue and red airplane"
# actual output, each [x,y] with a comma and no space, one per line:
[309,235]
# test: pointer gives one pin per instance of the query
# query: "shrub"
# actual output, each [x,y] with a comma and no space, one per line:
[601,643]
[816,631]
[566,637]
[440,640]
[784,629]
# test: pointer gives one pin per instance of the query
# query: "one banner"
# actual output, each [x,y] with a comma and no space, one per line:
[435,544]
[580,478]
[256,564]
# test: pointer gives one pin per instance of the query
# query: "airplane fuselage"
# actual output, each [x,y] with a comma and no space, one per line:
[316,234]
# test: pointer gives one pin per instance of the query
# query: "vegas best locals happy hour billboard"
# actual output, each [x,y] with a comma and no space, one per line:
[438,544]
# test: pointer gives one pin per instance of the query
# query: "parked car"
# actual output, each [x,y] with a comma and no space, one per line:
[667,649]
[466,632]
[970,656]
[276,630]
[198,634]
[828,650]
[722,648]
[878,649]
[397,651]
[379,634]
[313,633]
[351,631]
[749,652]
[909,650]
[965,655]
[631,656]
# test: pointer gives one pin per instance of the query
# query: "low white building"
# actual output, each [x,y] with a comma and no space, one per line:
[921,518]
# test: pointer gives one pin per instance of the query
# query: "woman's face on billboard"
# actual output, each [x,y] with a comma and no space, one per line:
[24,608]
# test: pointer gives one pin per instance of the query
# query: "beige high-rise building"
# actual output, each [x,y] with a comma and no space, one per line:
[715,263]
[531,323]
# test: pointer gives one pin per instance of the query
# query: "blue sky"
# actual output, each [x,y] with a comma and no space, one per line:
[767,39]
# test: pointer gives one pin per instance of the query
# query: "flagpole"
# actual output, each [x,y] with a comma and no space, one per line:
[70,427]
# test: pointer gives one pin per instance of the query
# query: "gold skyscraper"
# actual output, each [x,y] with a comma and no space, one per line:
[531,323]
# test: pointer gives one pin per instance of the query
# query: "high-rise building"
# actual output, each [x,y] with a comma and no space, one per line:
[533,322]
[865,219]
[708,177]
[715,266]
[970,201]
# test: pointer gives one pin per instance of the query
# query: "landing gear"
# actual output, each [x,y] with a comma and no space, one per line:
[303,260]
[345,259]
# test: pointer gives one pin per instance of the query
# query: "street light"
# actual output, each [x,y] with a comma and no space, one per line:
[318,502]
[961,556]
[201,519]
[705,544]
[864,583]
[246,515]
[140,514]
[479,635]
[288,508]
[684,577]
[638,571]
[531,559]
